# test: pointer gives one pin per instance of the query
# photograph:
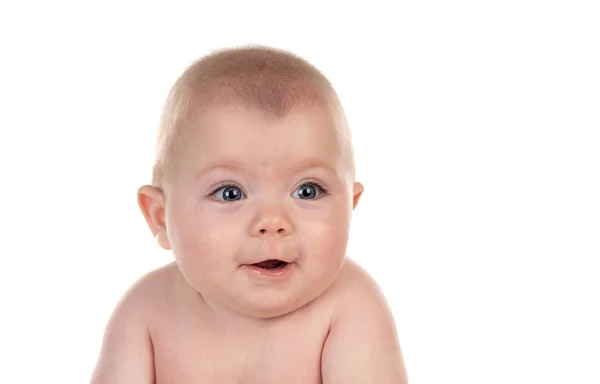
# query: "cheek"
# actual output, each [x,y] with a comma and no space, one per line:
[325,231]
[201,235]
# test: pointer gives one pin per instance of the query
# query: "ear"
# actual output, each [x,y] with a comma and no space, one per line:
[152,203]
[357,193]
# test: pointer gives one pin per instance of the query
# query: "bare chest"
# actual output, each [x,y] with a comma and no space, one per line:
[289,353]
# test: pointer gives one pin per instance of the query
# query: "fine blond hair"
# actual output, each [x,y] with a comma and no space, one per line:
[272,80]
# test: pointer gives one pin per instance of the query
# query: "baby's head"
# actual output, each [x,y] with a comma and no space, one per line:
[254,163]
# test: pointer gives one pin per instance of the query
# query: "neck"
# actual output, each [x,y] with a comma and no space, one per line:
[222,317]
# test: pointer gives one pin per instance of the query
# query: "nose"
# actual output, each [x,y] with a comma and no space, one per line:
[271,223]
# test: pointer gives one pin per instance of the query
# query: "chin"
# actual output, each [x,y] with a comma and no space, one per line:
[271,307]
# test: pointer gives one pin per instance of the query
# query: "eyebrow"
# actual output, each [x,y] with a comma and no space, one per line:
[229,166]
[237,166]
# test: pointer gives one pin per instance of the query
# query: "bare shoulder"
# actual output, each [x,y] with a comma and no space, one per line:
[362,345]
[126,355]
[153,287]
[355,287]
[146,293]
[354,277]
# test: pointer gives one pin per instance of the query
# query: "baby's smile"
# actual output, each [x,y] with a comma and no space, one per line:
[271,264]
[274,270]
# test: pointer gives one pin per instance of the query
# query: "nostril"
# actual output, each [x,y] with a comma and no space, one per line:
[280,231]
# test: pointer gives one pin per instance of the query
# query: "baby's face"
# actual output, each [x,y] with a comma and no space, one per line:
[250,189]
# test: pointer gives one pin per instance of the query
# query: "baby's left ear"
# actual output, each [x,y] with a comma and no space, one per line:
[357,192]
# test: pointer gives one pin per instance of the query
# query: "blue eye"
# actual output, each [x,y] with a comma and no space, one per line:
[308,191]
[228,193]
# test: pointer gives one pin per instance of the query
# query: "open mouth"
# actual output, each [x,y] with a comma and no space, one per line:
[271,264]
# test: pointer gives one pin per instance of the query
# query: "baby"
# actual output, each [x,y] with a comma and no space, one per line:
[253,190]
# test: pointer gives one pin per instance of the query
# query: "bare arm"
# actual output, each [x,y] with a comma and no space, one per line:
[126,356]
[362,346]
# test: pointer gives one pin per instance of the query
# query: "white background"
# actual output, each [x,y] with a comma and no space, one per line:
[476,127]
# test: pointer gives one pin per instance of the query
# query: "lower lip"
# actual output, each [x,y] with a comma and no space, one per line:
[275,272]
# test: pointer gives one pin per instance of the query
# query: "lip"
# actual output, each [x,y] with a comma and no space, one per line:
[270,274]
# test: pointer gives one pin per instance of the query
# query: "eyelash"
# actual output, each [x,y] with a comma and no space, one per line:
[225,185]
[322,187]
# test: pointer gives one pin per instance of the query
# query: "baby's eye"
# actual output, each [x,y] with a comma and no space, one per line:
[228,193]
[307,191]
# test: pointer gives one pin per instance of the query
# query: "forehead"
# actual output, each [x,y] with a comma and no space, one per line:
[236,134]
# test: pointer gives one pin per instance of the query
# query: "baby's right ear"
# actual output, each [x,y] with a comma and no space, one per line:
[152,203]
